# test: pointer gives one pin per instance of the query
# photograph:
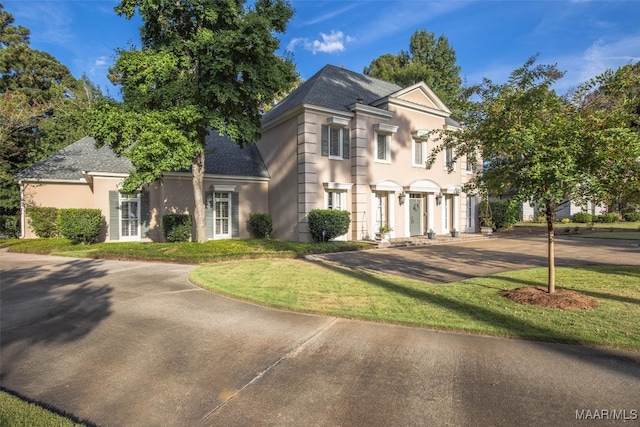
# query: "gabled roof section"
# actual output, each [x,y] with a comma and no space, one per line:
[334,88]
[421,94]
[69,163]
[224,157]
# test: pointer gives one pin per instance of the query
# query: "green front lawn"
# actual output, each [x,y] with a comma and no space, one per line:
[187,252]
[15,412]
[469,306]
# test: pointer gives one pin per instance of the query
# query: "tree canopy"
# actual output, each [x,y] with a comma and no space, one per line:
[202,65]
[541,147]
[429,59]
[42,109]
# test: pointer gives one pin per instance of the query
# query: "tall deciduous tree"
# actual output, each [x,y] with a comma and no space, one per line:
[42,108]
[610,106]
[542,147]
[202,64]
[429,60]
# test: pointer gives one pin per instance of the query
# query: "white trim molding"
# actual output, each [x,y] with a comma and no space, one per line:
[337,186]
[384,128]
[338,121]
[386,185]
[421,134]
[423,186]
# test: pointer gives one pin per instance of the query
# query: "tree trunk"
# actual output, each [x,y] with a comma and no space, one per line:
[198,198]
[551,282]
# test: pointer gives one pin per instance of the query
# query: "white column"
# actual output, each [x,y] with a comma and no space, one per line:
[431,211]
[391,200]
[456,212]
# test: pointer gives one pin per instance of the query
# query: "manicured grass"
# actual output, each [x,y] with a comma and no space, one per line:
[620,235]
[189,253]
[471,306]
[15,412]
[598,226]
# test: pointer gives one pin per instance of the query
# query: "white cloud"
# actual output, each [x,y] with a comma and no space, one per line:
[327,43]
[99,64]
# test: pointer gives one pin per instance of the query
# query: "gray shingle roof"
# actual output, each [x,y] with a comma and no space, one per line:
[68,163]
[224,157]
[335,88]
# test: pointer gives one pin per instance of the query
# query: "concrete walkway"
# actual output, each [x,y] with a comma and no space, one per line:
[135,344]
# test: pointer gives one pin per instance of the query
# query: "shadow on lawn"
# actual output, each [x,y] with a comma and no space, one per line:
[518,327]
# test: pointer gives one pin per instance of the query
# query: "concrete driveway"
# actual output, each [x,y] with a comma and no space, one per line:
[135,344]
[454,262]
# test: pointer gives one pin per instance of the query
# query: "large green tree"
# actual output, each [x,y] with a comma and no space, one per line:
[543,147]
[203,64]
[610,106]
[429,59]
[42,108]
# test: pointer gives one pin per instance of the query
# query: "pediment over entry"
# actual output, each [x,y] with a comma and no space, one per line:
[422,186]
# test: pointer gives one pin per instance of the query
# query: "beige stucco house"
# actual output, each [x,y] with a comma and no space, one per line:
[342,140]
[80,176]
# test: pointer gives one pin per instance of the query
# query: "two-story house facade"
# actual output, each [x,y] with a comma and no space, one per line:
[343,140]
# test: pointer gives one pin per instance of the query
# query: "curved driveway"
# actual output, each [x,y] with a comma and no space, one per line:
[125,343]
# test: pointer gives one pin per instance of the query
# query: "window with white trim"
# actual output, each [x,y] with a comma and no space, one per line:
[129,216]
[449,163]
[222,214]
[471,163]
[419,153]
[383,148]
[336,200]
[335,142]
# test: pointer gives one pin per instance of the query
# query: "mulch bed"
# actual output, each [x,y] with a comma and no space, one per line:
[563,299]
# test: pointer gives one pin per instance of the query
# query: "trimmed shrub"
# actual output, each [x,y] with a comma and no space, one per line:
[80,225]
[43,221]
[334,223]
[504,213]
[260,224]
[583,217]
[608,218]
[632,216]
[177,227]
[9,225]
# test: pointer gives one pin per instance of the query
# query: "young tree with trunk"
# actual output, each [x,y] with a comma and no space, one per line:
[542,147]
[203,64]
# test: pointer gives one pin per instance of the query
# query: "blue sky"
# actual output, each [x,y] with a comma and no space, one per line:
[491,38]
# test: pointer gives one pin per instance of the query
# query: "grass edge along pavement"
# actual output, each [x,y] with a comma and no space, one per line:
[183,252]
[470,306]
[18,412]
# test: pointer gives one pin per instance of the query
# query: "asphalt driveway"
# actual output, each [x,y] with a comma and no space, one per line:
[124,344]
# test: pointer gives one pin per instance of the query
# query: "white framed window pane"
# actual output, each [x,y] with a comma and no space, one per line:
[334,142]
[382,147]
[418,153]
